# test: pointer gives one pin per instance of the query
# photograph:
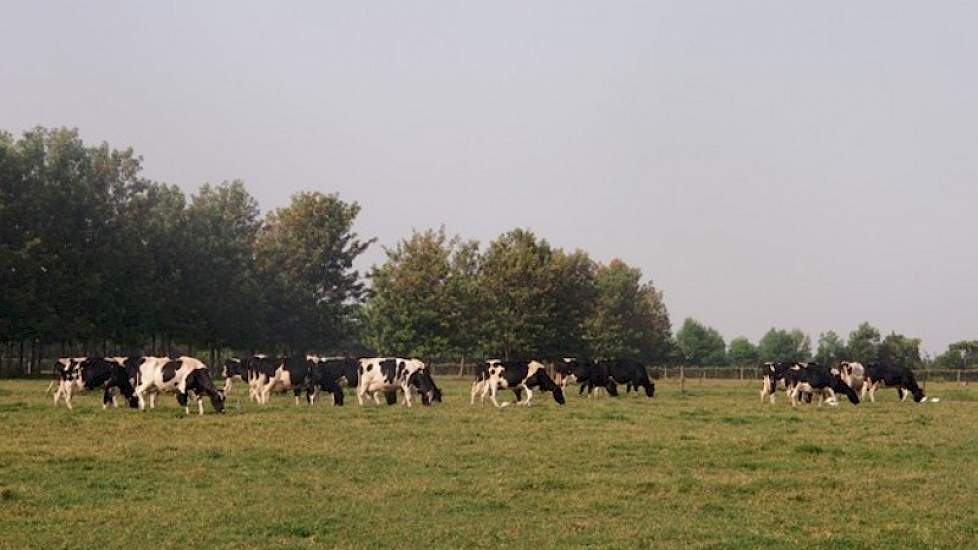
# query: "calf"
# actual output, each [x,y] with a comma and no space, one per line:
[386,374]
[182,376]
[630,373]
[520,374]
[90,373]
[901,377]
[820,381]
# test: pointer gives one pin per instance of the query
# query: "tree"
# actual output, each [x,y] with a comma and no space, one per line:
[899,351]
[304,257]
[959,355]
[517,284]
[864,343]
[423,300]
[742,352]
[700,345]
[630,319]
[784,346]
[831,349]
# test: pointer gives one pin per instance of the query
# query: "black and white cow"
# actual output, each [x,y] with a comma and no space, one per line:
[524,375]
[587,373]
[234,370]
[630,373]
[332,374]
[773,378]
[820,381]
[183,376]
[391,374]
[480,384]
[900,377]
[86,374]
[854,374]
[288,373]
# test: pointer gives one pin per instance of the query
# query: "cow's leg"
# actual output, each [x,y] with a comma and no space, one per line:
[476,387]
[529,396]
[138,392]
[902,393]
[297,391]
[153,396]
[406,388]
[361,391]
[227,386]
[492,395]
[200,405]
[872,392]
[68,390]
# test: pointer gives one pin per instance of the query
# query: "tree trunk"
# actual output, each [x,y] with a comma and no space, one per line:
[20,361]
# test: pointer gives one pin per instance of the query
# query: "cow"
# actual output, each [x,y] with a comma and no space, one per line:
[480,385]
[519,374]
[587,373]
[389,374]
[630,373]
[287,373]
[819,380]
[773,378]
[184,375]
[234,370]
[853,373]
[900,377]
[86,374]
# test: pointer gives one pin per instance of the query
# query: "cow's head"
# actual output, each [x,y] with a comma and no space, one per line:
[217,401]
[426,387]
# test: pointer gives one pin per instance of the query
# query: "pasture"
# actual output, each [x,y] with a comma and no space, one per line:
[713,468]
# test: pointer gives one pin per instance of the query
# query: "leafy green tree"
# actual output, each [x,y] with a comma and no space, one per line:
[570,280]
[742,352]
[864,344]
[304,257]
[959,355]
[898,350]
[784,345]
[700,345]
[630,319]
[516,282]
[422,297]
[831,349]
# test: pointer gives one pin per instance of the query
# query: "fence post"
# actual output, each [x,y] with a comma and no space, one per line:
[665,373]
[682,379]
[959,376]
[741,373]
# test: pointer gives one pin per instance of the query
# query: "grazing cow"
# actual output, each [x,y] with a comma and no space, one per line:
[520,374]
[332,374]
[289,373]
[818,380]
[234,370]
[630,373]
[182,376]
[900,377]
[773,378]
[386,374]
[87,374]
[853,374]
[587,373]
[480,385]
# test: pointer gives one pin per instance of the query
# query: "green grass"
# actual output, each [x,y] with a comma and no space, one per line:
[713,468]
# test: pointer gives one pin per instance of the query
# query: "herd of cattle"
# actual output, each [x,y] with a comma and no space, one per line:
[141,379]
[854,380]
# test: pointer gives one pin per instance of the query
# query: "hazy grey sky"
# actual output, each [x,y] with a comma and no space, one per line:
[796,164]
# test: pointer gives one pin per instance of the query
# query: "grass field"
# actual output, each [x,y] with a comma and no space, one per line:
[712,468]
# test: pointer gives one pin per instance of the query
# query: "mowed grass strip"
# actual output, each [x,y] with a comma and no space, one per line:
[711,468]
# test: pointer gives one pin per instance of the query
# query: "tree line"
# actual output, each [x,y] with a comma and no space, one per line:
[697,344]
[97,259]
